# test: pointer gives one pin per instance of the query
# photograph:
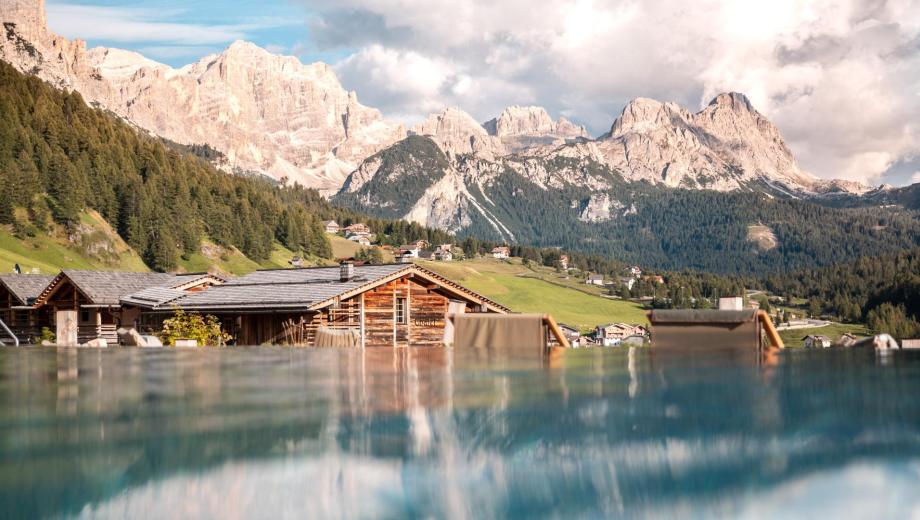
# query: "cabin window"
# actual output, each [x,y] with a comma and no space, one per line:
[402,311]
[84,316]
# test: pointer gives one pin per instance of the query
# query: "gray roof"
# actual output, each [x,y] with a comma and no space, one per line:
[109,287]
[153,297]
[281,288]
[26,287]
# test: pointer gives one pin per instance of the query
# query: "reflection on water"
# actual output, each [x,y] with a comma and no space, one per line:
[271,432]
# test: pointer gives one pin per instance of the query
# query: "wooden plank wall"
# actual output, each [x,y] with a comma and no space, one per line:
[427,311]
[427,314]
[380,327]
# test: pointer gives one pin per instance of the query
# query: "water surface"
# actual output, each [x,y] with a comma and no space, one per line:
[289,433]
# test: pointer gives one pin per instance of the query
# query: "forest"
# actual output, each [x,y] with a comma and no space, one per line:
[883,291]
[59,156]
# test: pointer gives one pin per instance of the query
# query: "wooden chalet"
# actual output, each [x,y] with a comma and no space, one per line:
[501,252]
[394,305]
[86,305]
[18,294]
[614,333]
[331,226]
[357,229]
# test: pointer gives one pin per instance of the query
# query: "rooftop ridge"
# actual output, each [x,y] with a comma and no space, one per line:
[336,266]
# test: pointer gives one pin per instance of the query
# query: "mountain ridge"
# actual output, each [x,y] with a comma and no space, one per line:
[266,113]
[293,121]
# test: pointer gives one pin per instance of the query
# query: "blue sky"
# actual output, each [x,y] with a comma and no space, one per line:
[177,32]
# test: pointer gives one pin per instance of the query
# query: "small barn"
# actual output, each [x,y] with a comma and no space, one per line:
[595,279]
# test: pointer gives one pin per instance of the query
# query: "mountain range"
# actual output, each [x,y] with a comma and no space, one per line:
[274,115]
[717,189]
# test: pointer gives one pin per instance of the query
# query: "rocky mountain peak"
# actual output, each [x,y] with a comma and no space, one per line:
[267,113]
[532,121]
[518,120]
[733,100]
[28,15]
[644,114]
[452,121]
[120,64]
[456,132]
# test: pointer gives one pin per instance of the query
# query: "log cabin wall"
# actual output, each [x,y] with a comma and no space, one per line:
[423,317]
[380,328]
[427,315]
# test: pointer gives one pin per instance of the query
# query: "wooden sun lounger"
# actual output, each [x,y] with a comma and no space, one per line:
[505,330]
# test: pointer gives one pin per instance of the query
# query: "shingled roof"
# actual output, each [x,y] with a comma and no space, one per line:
[109,287]
[295,289]
[25,287]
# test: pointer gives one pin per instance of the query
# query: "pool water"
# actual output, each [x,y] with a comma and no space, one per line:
[293,433]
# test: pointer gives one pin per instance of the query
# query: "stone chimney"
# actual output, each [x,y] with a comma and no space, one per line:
[346,271]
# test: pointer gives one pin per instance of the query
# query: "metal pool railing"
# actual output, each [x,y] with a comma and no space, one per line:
[9,333]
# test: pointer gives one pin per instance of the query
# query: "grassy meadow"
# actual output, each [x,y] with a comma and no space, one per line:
[793,338]
[539,289]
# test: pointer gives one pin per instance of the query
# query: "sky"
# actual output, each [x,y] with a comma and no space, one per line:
[841,78]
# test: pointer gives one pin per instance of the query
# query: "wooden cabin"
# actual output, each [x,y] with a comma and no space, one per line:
[394,305]
[86,305]
[18,294]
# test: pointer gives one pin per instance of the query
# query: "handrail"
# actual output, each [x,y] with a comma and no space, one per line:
[10,333]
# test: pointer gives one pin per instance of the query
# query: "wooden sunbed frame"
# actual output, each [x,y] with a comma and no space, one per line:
[770,330]
[555,330]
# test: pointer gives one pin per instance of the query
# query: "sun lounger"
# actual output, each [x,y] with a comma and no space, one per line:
[712,329]
[482,330]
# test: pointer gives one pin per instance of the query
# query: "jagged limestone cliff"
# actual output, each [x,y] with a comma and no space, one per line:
[266,113]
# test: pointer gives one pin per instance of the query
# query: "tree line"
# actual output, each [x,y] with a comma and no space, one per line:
[882,291]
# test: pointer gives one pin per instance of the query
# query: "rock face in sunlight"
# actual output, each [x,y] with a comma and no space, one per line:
[266,113]
[521,128]
[728,147]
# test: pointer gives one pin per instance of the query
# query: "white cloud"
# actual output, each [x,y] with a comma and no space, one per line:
[841,78]
[125,24]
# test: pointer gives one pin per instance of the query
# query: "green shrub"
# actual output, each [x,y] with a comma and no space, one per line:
[48,335]
[204,329]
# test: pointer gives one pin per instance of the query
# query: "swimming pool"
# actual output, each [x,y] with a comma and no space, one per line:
[275,432]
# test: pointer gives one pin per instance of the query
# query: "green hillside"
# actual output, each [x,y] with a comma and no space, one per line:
[539,290]
[91,245]
[95,245]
